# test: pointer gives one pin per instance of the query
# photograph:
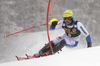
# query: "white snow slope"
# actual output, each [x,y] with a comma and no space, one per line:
[30,43]
[82,57]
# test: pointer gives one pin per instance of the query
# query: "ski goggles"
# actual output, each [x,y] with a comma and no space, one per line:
[67,18]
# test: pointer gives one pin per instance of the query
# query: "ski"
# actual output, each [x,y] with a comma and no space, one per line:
[21,58]
[27,57]
[17,57]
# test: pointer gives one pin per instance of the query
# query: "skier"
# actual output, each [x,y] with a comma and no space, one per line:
[70,38]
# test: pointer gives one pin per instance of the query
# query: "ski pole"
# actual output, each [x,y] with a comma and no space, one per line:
[26,30]
[23,30]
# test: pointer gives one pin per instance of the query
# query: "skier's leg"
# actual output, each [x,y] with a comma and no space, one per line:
[56,43]
[45,48]
[58,46]
[71,42]
[59,39]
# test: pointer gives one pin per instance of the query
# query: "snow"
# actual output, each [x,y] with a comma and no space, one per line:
[82,57]
[31,44]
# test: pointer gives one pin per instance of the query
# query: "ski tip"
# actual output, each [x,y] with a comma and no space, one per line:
[17,57]
[25,54]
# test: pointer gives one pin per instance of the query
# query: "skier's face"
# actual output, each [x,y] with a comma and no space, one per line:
[67,20]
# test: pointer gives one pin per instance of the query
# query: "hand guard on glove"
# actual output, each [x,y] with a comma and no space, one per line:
[54,23]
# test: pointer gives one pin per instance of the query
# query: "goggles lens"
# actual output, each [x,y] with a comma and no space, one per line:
[68,18]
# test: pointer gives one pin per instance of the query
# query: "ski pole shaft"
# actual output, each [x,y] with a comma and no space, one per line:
[23,30]
[19,32]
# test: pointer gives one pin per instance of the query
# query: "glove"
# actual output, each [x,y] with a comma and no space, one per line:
[54,23]
[89,44]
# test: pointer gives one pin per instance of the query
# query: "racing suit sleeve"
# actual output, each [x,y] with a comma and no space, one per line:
[85,33]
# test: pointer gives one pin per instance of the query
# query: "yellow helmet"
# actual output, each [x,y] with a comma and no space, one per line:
[68,13]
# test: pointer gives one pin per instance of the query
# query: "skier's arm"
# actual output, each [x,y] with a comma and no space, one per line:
[85,33]
[57,25]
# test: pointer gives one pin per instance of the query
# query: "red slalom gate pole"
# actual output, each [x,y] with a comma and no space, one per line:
[47,26]
[19,32]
